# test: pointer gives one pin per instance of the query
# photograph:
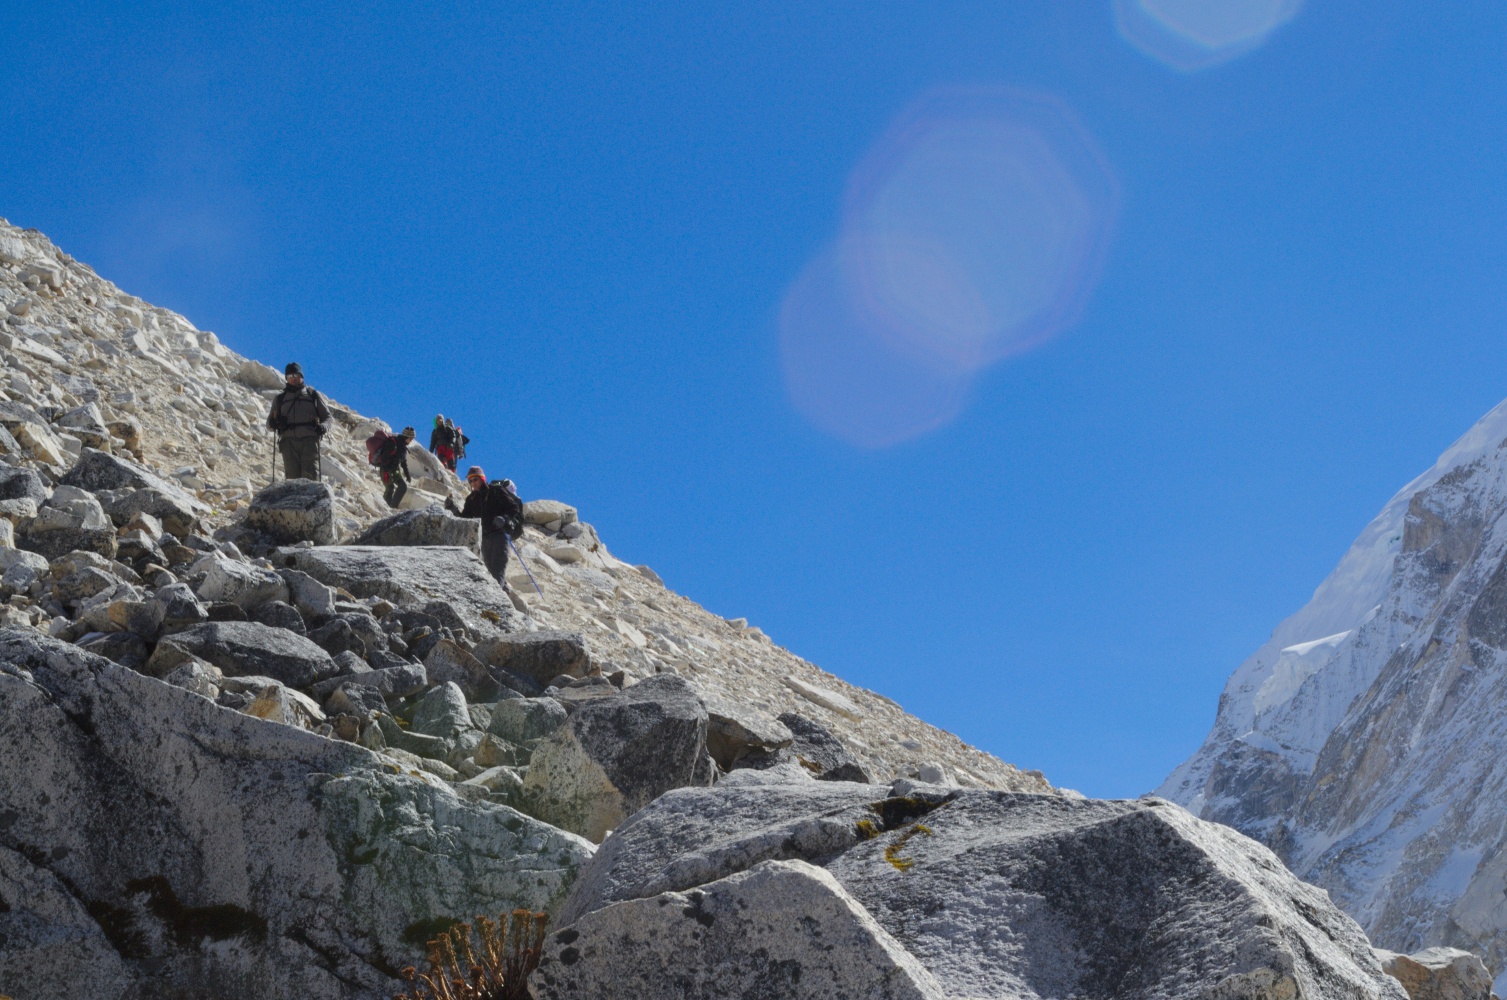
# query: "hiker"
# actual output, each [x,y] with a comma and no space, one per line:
[389,453]
[300,419]
[442,441]
[460,446]
[501,514]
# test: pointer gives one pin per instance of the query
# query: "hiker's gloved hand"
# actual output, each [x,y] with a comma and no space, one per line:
[450,506]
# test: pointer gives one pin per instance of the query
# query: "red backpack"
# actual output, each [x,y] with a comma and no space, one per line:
[374,447]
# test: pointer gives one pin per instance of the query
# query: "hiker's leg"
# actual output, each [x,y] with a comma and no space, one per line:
[399,487]
[289,449]
[494,552]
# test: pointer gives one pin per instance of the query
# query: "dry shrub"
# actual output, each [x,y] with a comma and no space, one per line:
[491,961]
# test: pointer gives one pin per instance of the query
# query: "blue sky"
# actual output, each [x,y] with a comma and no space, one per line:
[573,229]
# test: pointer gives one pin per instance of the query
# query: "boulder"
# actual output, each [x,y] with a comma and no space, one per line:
[279,614]
[432,525]
[22,484]
[999,893]
[1439,974]
[180,607]
[540,656]
[71,519]
[411,577]
[520,720]
[259,376]
[279,703]
[312,599]
[441,712]
[390,682]
[294,510]
[548,511]
[175,510]
[42,444]
[245,648]
[126,648]
[733,731]
[97,470]
[230,581]
[736,937]
[447,661]
[615,756]
[819,751]
[224,855]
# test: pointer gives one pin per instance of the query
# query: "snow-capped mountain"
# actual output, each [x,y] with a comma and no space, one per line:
[1365,740]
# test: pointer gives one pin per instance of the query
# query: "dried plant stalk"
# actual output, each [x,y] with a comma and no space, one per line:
[487,961]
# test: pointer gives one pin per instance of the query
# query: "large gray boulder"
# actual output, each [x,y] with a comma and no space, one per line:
[522,720]
[245,649]
[154,844]
[432,525]
[785,929]
[616,755]
[411,577]
[294,510]
[1000,894]
[540,656]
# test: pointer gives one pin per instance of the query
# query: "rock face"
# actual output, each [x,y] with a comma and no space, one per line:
[616,755]
[540,656]
[426,526]
[288,866]
[294,510]
[411,577]
[991,893]
[1361,741]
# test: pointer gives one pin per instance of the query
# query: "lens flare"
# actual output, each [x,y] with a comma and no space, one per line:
[847,378]
[974,230]
[1190,35]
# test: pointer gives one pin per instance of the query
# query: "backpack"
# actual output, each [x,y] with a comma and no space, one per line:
[374,447]
[499,499]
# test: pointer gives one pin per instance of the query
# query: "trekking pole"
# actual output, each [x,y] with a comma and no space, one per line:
[525,566]
[273,470]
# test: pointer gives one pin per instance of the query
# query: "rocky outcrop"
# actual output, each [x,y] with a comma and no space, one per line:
[540,656]
[154,843]
[992,894]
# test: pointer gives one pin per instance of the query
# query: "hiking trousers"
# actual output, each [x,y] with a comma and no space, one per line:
[393,488]
[494,552]
[300,457]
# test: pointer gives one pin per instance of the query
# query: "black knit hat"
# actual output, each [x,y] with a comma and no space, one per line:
[294,368]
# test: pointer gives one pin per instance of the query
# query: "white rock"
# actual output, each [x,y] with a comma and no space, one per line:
[43,445]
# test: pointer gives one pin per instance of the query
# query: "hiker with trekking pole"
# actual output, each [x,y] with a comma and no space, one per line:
[501,513]
[299,417]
